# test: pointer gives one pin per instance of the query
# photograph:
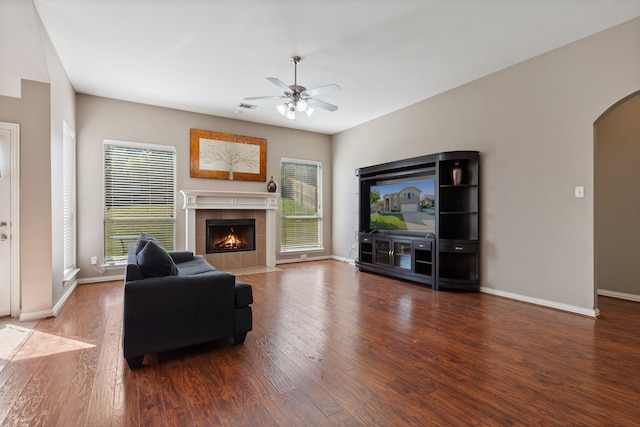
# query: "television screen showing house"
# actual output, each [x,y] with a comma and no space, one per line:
[408,205]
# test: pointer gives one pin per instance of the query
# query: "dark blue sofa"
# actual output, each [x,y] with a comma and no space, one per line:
[193,304]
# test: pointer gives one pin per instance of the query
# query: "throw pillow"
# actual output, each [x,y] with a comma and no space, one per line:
[155,261]
[143,240]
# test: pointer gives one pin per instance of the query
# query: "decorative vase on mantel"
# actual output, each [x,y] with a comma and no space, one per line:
[456,174]
[272,187]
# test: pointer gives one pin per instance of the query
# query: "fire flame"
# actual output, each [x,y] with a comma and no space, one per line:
[230,241]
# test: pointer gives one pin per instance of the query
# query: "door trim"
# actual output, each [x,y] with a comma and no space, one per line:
[14,136]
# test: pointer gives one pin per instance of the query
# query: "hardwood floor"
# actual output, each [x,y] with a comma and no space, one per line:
[332,346]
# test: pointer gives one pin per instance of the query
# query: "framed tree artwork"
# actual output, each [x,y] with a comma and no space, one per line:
[226,156]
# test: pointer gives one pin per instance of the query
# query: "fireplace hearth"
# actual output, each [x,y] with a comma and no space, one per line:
[230,235]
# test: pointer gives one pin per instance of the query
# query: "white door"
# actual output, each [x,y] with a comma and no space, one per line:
[5,222]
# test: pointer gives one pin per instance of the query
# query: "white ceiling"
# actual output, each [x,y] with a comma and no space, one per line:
[207,55]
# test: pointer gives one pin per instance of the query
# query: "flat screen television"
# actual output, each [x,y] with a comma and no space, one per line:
[403,205]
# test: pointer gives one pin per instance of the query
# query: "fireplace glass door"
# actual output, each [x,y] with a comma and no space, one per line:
[230,235]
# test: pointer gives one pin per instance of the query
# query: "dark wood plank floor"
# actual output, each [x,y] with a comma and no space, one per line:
[332,346]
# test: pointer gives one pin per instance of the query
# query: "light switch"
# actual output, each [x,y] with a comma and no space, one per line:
[579,191]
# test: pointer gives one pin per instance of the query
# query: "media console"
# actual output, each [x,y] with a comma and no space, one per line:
[419,220]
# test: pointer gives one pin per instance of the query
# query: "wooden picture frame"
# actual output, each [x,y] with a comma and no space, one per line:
[220,155]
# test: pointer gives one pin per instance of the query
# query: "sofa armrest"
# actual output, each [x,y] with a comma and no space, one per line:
[132,271]
[244,294]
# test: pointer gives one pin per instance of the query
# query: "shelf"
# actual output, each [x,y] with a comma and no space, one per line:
[424,269]
[459,227]
[457,198]
[466,161]
[462,267]
[458,263]
[467,285]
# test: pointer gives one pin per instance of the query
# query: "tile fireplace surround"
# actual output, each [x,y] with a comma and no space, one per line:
[200,205]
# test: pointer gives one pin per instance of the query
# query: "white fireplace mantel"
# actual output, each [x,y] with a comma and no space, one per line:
[211,199]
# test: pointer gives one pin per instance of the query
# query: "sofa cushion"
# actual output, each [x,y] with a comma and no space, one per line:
[155,261]
[197,265]
[181,256]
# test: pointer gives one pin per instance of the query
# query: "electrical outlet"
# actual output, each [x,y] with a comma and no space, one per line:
[303,256]
[94,260]
[353,246]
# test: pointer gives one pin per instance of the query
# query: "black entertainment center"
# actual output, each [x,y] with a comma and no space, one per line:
[419,220]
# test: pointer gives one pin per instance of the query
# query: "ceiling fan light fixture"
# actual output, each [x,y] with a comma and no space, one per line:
[282,108]
[291,113]
[301,105]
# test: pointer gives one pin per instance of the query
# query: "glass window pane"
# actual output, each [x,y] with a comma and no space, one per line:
[139,190]
[301,205]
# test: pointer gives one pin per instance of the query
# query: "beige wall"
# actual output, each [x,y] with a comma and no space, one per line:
[100,118]
[39,107]
[10,109]
[533,124]
[21,51]
[617,201]
[63,107]
[35,199]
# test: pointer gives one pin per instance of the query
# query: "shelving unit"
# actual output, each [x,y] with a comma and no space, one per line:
[423,257]
[449,258]
[408,257]
[457,221]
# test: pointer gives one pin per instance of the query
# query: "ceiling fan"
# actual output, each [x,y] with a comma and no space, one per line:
[299,98]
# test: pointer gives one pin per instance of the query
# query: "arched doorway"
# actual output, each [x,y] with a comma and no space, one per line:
[617,200]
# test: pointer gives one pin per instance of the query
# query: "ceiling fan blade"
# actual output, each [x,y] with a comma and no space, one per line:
[321,104]
[252,98]
[279,83]
[321,89]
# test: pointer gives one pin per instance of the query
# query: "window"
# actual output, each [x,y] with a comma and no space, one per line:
[69,197]
[301,205]
[139,195]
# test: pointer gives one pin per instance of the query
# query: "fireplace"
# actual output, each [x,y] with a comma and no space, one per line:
[202,205]
[230,235]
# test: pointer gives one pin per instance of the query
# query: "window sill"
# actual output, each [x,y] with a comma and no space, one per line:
[70,275]
[114,265]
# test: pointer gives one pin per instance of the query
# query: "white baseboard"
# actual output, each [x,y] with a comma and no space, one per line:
[620,295]
[36,315]
[43,314]
[342,259]
[522,298]
[545,303]
[58,306]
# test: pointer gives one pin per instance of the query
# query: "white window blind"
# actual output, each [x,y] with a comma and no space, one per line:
[301,205]
[139,195]
[69,197]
